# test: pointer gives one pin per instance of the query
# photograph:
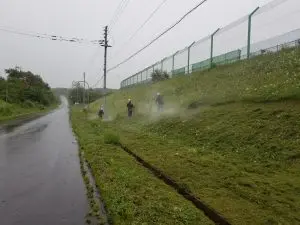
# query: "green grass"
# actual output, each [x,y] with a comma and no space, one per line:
[242,160]
[131,193]
[265,78]
[111,138]
[230,135]
[10,112]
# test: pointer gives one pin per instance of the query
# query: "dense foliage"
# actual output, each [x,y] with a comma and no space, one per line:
[25,89]
[78,95]
[159,75]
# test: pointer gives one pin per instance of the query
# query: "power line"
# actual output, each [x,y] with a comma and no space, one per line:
[50,37]
[159,36]
[92,58]
[119,11]
[148,19]
[116,12]
[142,25]
[95,85]
[21,33]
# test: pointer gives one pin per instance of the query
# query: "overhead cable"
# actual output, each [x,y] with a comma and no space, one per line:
[95,85]
[159,36]
[142,25]
[51,37]
[119,11]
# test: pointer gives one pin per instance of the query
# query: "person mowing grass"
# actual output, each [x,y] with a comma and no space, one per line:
[101,112]
[130,107]
[160,102]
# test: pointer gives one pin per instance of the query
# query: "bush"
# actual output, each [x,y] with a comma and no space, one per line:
[25,86]
[111,138]
[42,107]
[28,104]
[159,75]
[5,110]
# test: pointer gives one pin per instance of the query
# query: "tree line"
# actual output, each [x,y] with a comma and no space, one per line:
[80,95]
[25,88]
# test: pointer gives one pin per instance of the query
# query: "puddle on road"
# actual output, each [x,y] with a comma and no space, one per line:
[12,125]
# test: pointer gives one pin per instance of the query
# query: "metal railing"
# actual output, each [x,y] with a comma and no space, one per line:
[265,29]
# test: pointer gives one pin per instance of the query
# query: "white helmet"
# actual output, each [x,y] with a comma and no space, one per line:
[158,93]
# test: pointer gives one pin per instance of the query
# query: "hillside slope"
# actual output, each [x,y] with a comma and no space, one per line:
[230,136]
[264,78]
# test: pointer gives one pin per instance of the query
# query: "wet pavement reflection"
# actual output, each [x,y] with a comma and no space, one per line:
[40,180]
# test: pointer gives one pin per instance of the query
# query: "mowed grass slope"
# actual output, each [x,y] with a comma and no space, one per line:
[132,195]
[269,77]
[242,160]
[230,136]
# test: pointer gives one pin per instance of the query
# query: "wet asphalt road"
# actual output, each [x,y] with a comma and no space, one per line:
[40,180]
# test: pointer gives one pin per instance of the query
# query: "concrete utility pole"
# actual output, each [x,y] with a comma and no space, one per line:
[105,55]
[77,93]
[84,88]
[6,92]
[105,45]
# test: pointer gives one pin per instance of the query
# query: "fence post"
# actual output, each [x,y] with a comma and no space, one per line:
[249,32]
[189,57]
[153,69]
[212,47]
[162,64]
[173,62]
[149,74]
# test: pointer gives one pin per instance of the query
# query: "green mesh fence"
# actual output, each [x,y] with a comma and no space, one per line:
[267,29]
[178,72]
[229,57]
[201,65]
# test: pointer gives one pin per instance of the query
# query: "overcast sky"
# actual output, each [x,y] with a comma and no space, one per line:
[59,63]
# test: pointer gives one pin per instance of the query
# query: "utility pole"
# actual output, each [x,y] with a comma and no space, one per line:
[105,55]
[6,92]
[77,93]
[104,43]
[84,88]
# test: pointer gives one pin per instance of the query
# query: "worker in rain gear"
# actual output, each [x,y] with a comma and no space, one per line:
[101,112]
[159,102]
[130,107]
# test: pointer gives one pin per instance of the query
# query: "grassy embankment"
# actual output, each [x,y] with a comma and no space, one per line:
[10,112]
[230,136]
[132,195]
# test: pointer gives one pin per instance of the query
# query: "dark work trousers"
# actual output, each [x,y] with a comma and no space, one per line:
[160,107]
[129,113]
